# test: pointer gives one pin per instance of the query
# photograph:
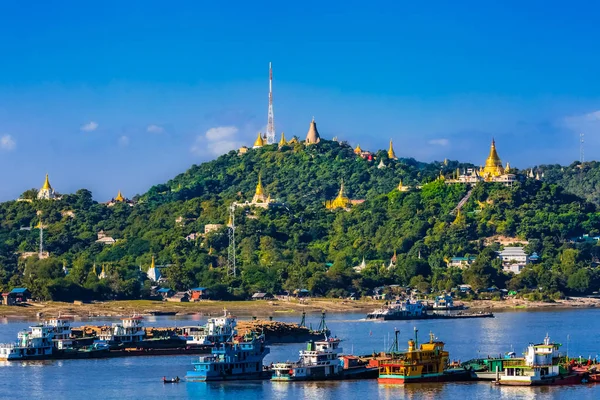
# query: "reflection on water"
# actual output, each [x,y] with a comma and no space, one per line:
[140,377]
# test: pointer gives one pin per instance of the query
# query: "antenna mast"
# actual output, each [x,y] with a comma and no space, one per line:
[41,240]
[581,154]
[270,121]
[231,267]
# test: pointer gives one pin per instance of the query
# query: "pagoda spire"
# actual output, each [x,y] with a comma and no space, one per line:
[259,187]
[46,184]
[282,142]
[391,153]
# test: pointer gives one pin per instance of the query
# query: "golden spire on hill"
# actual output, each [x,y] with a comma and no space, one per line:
[391,154]
[152,264]
[259,187]
[282,142]
[493,164]
[119,197]
[259,142]
[357,150]
[341,201]
[46,184]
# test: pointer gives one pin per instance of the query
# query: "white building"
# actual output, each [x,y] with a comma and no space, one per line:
[47,192]
[514,259]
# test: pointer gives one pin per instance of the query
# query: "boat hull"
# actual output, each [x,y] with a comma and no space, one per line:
[567,380]
[428,316]
[195,377]
[445,377]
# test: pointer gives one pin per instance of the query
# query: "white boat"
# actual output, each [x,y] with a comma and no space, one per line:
[62,332]
[130,330]
[32,344]
[217,330]
[320,361]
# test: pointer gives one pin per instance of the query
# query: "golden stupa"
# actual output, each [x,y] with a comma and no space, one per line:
[391,154]
[259,142]
[259,194]
[341,201]
[357,150]
[493,164]
[282,142]
[120,197]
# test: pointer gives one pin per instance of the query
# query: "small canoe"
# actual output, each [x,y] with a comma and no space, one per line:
[172,380]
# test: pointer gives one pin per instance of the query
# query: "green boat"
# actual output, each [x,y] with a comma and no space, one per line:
[487,369]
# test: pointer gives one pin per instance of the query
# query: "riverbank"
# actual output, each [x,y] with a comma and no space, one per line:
[261,308]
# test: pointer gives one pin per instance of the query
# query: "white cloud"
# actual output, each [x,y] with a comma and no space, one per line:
[216,141]
[89,127]
[155,128]
[439,142]
[123,141]
[221,132]
[7,143]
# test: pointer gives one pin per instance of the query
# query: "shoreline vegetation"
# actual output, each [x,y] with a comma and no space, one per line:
[262,309]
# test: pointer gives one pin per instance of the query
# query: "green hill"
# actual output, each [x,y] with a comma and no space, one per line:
[299,243]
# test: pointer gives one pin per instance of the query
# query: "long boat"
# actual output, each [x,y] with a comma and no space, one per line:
[415,310]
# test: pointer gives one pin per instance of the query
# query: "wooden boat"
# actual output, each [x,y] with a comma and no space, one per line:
[425,363]
[172,380]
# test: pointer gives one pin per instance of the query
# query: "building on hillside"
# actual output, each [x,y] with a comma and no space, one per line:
[262,296]
[381,164]
[365,155]
[119,199]
[393,261]
[461,262]
[260,198]
[312,137]
[47,192]
[514,259]
[282,141]
[259,142]
[165,293]
[492,172]
[341,201]
[391,153]
[360,267]
[104,238]
[208,228]
[103,274]
[193,236]
[243,150]
[153,272]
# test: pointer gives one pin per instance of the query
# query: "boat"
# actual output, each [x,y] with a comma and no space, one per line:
[320,361]
[233,360]
[446,303]
[427,362]
[129,331]
[217,330]
[172,380]
[415,309]
[33,344]
[485,368]
[541,366]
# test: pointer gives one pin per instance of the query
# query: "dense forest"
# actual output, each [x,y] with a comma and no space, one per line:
[298,243]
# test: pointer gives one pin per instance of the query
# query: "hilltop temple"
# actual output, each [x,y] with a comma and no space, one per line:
[260,198]
[341,201]
[492,172]
[47,192]
[312,137]
[119,199]
[391,153]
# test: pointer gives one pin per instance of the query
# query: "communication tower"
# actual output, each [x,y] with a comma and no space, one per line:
[270,121]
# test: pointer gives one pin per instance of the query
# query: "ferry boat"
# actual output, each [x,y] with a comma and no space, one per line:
[62,332]
[425,363]
[541,366]
[487,369]
[235,360]
[410,310]
[216,330]
[320,361]
[32,344]
[129,331]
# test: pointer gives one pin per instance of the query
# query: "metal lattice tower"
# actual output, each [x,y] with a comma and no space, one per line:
[231,267]
[581,154]
[270,121]
[41,240]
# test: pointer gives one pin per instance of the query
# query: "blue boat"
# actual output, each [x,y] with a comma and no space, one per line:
[235,360]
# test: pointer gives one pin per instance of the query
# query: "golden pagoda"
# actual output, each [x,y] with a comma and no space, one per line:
[401,187]
[391,154]
[341,201]
[357,150]
[493,164]
[259,142]
[282,142]
[120,197]
[46,192]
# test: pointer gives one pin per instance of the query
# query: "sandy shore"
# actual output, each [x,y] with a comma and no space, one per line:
[261,309]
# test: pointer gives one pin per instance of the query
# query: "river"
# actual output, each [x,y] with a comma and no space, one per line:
[140,377]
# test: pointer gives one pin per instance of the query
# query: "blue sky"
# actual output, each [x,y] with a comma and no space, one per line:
[123,95]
